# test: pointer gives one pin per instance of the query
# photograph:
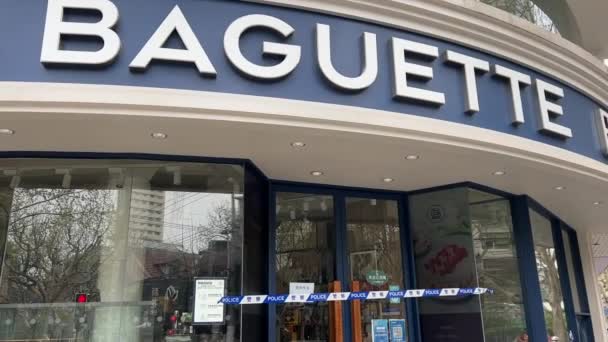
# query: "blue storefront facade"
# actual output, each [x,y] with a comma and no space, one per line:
[267,171]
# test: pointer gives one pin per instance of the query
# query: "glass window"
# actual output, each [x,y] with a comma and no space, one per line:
[445,258]
[305,229]
[528,10]
[72,229]
[572,271]
[548,276]
[463,238]
[497,267]
[374,250]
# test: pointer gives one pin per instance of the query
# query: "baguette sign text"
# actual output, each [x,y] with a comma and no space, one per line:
[408,76]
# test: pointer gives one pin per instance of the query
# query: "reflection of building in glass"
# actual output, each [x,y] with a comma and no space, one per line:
[147,214]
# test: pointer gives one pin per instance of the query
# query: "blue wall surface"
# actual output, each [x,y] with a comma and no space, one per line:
[22,27]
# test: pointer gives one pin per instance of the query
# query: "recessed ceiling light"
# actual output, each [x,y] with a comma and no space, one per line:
[598,203]
[412,157]
[387,180]
[159,135]
[499,173]
[559,188]
[6,131]
[298,144]
[316,173]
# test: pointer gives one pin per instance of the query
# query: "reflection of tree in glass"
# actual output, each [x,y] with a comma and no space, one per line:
[56,240]
[383,240]
[552,294]
[497,268]
[300,250]
[183,253]
[525,9]
[54,243]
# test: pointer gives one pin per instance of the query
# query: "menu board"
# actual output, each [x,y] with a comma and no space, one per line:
[207,294]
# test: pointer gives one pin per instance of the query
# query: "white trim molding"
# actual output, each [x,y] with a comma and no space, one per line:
[91,100]
[479,26]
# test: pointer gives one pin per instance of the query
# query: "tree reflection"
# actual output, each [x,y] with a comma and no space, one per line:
[552,293]
[54,242]
[525,9]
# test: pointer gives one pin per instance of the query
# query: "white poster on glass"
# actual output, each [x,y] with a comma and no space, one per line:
[301,288]
[207,294]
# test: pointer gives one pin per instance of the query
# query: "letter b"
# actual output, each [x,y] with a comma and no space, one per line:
[56,27]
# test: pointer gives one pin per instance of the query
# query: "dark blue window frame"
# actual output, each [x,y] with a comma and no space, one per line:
[521,225]
[557,225]
[339,195]
[582,318]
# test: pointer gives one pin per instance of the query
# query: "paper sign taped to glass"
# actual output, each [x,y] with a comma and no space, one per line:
[380,330]
[207,294]
[397,330]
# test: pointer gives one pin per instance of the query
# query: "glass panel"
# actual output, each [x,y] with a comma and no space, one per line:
[528,10]
[445,258]
[130,237]
[572,272]
[185,222]
[305,229]
[585,329]
[548,273]
[464,238]
[497,268]
[374,250]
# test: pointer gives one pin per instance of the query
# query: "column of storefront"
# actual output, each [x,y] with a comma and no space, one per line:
[600,328]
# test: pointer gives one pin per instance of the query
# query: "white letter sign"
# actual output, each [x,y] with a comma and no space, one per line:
[403,68]
[547,108]
[233,51]
[470,65]
[602,123]
[370,68]
[55,27]
[193,53]
[516,79]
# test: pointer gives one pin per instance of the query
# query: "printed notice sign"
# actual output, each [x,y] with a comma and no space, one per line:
[207,294]
[397,330]
[301,288]
[380,330]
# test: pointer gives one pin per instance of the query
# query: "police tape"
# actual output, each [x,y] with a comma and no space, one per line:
[350,296]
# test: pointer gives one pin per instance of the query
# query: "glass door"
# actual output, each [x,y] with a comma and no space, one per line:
[305,228]
[375,264]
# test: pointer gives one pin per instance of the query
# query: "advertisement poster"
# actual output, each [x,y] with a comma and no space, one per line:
[380,330]
[207,294]
[445,258]
[397,330]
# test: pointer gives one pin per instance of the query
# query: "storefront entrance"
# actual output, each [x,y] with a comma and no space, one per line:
[333,241]
[115,249]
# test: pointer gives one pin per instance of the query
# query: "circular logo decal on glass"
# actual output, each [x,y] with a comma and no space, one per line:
[435,214]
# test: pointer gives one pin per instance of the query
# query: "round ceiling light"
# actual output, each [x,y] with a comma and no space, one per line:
[298,144]
[559,188]
[598,203]
[6,131]
[412,157]
[159,135]
[499,173]
[388,180]
[316,173]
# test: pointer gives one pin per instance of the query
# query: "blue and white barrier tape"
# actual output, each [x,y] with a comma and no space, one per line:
[350,296]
